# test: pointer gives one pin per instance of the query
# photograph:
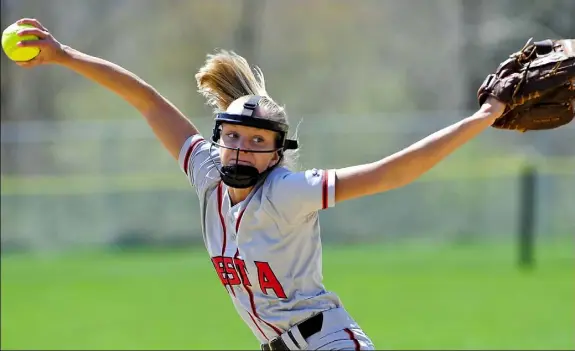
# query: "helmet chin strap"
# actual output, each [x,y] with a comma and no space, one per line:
[241,176]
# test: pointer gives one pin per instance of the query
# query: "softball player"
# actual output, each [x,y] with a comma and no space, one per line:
[259,218]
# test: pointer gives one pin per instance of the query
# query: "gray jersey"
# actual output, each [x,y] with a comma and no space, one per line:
[266,250]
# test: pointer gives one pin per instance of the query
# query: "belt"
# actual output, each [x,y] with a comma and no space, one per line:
[306,328]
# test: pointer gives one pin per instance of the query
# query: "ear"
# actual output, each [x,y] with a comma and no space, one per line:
[275,158]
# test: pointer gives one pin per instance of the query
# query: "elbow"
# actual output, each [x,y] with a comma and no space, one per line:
[398,174]
[151,102]
[146,99]
[410,176]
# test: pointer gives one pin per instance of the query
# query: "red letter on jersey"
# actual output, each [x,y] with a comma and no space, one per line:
[268,280]
[241,267]
[226,270]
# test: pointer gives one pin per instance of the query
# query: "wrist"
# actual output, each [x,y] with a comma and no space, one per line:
[64,56]
[492,108]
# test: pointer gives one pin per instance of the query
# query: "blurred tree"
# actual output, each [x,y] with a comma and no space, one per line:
[471,50]
[248,33]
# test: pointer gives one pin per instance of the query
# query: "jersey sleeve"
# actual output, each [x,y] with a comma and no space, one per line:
[297,194]
[200,163]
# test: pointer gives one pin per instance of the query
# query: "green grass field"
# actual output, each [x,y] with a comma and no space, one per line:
[405,297]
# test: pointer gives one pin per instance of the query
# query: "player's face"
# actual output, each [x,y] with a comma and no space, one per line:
[248,138]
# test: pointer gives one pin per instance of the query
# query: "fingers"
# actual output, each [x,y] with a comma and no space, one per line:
[33,43]
[33,31]
[33,22]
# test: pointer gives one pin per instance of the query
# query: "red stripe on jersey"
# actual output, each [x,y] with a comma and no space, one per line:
[224,241]
[189,153]
[353,338]
[252,301]
[278,332]
[239,220]
[255,313]
[257,326]
[220,204]
[324,199]
[247,288]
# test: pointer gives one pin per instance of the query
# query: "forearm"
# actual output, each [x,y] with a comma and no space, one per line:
[409,164]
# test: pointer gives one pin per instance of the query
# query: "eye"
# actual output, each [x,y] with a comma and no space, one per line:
[258,139]
[232,135]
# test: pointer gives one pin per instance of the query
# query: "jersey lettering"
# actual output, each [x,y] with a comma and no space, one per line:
[241,267]
[268,280]
[232,271]
[226,270]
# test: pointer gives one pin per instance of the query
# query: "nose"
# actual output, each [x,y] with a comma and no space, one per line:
[243,143]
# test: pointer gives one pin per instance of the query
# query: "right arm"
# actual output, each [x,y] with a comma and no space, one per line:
[301,193]
[168,123]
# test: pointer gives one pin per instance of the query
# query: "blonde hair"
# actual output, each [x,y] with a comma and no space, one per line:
[226,77]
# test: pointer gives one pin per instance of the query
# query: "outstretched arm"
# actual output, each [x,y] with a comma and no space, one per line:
[410,163]
[168,123]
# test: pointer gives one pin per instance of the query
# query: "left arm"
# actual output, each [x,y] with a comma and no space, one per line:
[409,164]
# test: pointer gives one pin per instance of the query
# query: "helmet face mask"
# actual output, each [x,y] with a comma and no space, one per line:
[242,176]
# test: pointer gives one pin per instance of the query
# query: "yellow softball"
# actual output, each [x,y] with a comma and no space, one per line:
[10,40]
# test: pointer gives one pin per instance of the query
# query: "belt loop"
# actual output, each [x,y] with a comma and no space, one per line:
[289,341]
[298,338]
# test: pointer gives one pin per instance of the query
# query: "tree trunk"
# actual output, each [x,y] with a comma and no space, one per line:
[247,33]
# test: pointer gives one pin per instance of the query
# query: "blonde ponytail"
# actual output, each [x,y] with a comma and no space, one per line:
[227,76]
